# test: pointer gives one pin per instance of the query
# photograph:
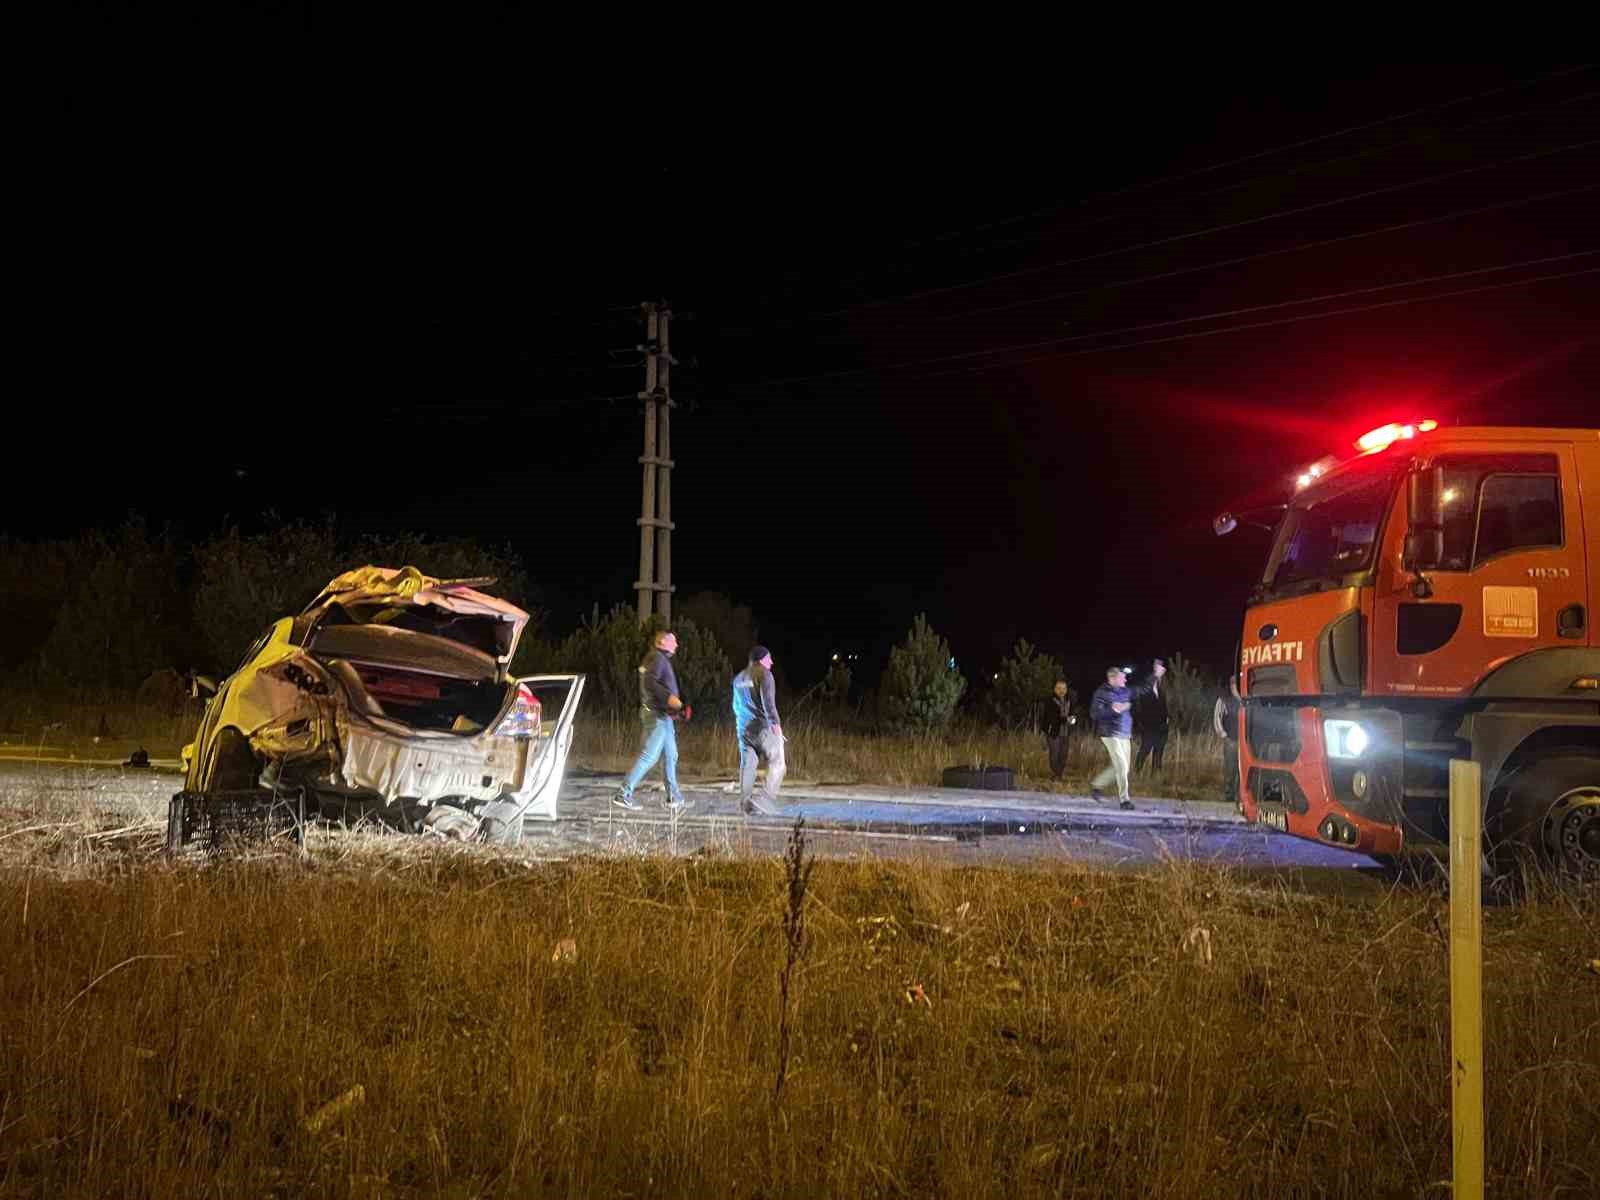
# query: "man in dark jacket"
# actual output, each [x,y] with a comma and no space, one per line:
[659,706]
[1113,724]
[1057,725]
[756,727]
[1150,717]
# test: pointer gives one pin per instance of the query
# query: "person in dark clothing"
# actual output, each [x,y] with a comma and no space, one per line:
[1113,723]
[757,729]
[659,706]
[1057,726]
[1150,717]
[1225,720]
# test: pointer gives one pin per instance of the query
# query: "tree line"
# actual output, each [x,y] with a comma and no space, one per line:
[108,609]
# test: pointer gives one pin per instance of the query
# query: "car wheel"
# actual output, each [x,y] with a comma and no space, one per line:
[1551,815]
[962,777]
[999,779]
[234,767]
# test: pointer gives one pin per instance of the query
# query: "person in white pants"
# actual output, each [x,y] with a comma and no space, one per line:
[758,731]
[1111,710]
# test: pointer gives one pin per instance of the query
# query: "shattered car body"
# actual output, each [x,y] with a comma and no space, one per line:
[390,696]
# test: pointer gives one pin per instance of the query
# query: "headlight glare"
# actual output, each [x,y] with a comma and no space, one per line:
[1345,739]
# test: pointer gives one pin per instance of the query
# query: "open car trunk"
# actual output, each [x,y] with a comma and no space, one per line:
[427,654]
[422,681]
[423,701]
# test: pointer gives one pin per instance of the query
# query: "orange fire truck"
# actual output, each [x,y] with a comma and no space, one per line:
[1431,597]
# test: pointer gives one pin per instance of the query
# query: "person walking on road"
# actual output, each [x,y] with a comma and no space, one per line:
[659,706]
[1113,724]
[758,732]
[1225,721]
[1151,719]
[1057,725]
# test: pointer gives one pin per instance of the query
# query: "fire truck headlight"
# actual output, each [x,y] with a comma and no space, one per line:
[1345,739]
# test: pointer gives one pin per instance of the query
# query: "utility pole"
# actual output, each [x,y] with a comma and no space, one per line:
[664,446]
[654,584]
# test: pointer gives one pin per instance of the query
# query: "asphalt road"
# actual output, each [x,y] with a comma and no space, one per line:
[956,825]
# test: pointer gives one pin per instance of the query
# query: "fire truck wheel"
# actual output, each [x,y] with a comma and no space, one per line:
[1552,812]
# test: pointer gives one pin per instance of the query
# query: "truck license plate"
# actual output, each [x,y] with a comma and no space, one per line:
[1273,817]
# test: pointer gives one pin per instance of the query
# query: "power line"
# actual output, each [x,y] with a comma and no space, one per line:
[633,308]
[1264,254]
[1214,316]
[1255,156]
[1248,221]
[1253,308]
[1416,112]
[1337,312]
[1211,169]
[1084,227]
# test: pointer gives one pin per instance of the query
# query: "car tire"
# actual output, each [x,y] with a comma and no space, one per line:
[999,779]
[1550,816]
[234,767]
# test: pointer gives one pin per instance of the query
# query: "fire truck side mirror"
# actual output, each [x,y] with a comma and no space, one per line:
[1424,550]
[1425,519]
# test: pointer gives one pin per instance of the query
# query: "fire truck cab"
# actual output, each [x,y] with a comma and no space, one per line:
[1432,597]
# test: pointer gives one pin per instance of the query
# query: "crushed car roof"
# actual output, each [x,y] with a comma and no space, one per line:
[407,585]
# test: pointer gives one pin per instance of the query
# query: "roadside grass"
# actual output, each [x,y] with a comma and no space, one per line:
[71,719]
[611,1027]
[818,751]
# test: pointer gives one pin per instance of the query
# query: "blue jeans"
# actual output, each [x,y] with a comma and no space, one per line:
[660,741]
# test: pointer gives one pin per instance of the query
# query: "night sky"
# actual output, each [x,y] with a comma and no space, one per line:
[938,357]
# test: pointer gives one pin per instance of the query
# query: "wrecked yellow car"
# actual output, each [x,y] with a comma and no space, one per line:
[389,698]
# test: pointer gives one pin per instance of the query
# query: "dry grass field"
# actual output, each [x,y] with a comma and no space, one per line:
[395,1018]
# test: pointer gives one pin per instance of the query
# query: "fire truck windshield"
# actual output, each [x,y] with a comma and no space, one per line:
[1331,529]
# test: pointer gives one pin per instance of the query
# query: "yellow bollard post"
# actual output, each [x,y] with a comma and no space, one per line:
[1466,978]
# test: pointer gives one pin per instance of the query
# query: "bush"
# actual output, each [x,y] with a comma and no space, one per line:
[835,692]
[244,583]
[36,579]
[609,651]
[705,676]
[1191,695]
[122,614]
[921,687]
[1023,686]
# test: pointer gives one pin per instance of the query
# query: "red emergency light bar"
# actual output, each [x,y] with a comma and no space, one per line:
[1314,472]
[1385,435]
[1369,442]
